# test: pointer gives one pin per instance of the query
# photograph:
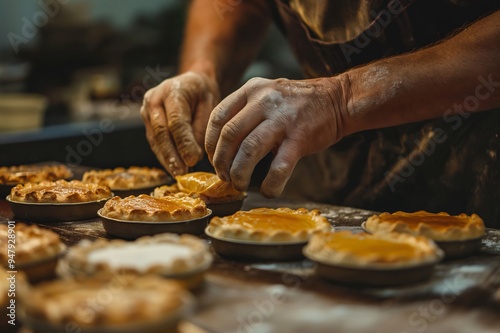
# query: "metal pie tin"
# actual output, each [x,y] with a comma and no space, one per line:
[225,209]
[56,212]
[375,277]
[460,248]
[42,269]
[257,251]
[134,229]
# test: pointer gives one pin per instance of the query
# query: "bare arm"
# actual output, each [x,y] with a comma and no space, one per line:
[223,37]
[461,74]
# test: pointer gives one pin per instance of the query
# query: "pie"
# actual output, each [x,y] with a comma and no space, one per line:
[361,250]
[149,209]
[165,254]
[33,173]
[94,303]
[269,225]
[439,227]
[205,185]
[32,243]
[60,191]
[125,179]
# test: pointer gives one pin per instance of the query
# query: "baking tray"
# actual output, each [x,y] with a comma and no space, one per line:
[135,229]
[453,249]
[225,209]
[42,269]
[56,212]
[246,250]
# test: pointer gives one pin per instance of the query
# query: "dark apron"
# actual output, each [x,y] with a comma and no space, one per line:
[448,164]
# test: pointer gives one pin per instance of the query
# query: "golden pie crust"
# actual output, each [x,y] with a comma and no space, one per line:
[33,173]
[126,178]
[204,185]
[361,250]
[165,254]
[146,208]
[269,225]
[96,303]
[439,227]
[60,191]
[32,243]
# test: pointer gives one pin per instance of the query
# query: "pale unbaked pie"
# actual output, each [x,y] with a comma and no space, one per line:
[267,225]
[149,209]
[33,173]
[165,254]
[126,178]
[361,250]
[204,185]
[60,191]
[436,226]
[143,302]
[32,243]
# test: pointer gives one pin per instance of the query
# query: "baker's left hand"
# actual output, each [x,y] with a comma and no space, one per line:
[290,118]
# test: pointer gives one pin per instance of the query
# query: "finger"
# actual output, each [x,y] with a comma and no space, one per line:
[233,133]
[280,170]
[145,114]
[220,115]
[163,145]
[179,123]
[263,139]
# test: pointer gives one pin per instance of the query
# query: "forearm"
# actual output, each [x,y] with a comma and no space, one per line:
[447,78]
[223,37]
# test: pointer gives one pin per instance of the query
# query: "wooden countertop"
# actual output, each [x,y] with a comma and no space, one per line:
[288,297]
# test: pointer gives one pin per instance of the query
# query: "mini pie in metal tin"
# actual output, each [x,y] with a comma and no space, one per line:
[126,304]
[60,191]
[33,173]
[378,251]
[149,209]
[120,178]
[268,225]
[166,254]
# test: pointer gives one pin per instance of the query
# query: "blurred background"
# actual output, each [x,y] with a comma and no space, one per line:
[73,74]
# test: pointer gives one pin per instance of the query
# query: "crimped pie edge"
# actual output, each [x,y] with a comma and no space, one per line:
[237,232]
[316,250]
[473,229]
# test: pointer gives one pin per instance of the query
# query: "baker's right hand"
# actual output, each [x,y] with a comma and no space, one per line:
[175,114]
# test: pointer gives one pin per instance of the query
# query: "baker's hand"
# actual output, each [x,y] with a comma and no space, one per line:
[175,114]
[292,119]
